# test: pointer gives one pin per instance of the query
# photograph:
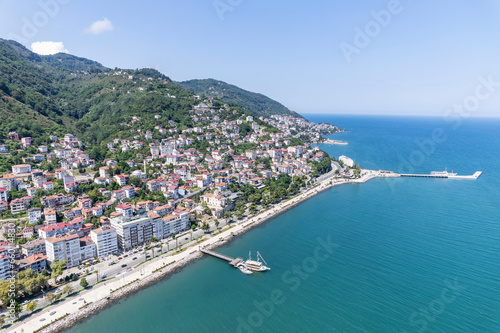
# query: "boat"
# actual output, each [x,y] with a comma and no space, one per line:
[256,265]
[243,268]
[442,173]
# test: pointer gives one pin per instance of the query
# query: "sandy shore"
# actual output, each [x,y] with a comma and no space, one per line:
[87,302]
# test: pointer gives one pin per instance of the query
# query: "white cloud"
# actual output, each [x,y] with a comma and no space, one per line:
[48,48]
[99,27]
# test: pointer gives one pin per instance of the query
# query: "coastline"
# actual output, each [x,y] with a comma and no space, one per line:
[72,310]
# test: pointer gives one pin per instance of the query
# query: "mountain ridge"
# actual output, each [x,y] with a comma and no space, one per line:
[253,102]
[64,93]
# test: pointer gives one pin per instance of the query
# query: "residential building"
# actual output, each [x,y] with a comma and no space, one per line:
[50,216]
[132,232]
[125,210]
[3,194]
[34,214]
[36,262]
[106,240]
[175,223]
[5,272]
[17,206]
[64,248]
[21,168]
[87,248]
[33,247]
[213,200]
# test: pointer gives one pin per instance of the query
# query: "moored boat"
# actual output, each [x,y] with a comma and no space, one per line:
[242,267]
[256,265]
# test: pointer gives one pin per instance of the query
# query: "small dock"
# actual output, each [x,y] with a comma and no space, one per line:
[232,261]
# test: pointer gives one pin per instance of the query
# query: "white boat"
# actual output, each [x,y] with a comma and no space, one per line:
[442,173]
[256,265]
[242,267]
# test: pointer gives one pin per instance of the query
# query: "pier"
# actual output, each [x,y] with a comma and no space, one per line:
[232,261]
[442,175]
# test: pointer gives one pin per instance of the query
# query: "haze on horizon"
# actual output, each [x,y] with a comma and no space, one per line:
[369,57]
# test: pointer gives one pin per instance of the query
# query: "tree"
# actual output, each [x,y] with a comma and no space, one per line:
[30,281]
[83,282]
[50,297]
[57,268]
[31,306]
[5,293]
[68,289]
[217,223]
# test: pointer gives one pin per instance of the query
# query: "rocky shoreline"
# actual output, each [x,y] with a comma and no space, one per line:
[155,277]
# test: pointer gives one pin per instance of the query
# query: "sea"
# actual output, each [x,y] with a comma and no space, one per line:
[390,255]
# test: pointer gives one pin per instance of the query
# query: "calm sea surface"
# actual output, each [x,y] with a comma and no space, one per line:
[391,255]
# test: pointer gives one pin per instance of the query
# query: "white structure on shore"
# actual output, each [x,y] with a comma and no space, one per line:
[347,161]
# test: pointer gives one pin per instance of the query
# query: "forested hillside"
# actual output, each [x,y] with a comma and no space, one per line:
[255,103]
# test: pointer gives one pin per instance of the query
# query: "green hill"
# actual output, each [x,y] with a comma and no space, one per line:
[63,93]
[255,103]
[57,94]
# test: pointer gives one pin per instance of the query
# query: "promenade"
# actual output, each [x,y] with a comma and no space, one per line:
[88,301]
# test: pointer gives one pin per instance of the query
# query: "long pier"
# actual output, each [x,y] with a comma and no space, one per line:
[442,175]
[232,261]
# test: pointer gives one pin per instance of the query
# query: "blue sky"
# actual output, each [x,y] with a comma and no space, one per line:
[423,59]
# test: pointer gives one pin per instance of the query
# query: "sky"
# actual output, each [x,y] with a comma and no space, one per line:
[326,56]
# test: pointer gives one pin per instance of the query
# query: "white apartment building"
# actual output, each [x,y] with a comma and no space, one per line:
[106,241]
[3,194]
[133,231]
[34,214]
[175,223]
[64,248]
[4,264]
[21,168]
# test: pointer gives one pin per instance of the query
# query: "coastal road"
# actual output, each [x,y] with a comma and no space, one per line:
[103,290]
[105,271]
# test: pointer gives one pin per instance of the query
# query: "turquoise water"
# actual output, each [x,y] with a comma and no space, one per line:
[407,255]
